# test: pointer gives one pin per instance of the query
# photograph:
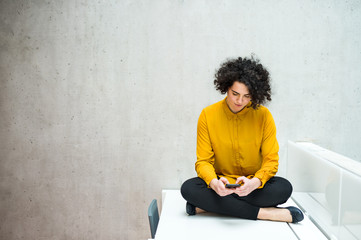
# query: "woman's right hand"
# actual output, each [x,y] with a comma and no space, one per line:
[218,185]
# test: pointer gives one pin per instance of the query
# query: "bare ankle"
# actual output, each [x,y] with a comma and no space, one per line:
[275,214]
[199,210]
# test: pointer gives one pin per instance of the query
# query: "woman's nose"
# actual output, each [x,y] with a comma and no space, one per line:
[239,99]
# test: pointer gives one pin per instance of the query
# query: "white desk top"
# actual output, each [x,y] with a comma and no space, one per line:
[175,224]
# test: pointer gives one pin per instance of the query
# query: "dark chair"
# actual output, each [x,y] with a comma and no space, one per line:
[153,216]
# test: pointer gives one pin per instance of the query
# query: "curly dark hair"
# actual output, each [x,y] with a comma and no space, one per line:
[248,71]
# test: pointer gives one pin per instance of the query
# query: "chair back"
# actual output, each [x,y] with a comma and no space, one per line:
[153,216]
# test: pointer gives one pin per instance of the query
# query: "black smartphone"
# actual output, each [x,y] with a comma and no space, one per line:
[232,185]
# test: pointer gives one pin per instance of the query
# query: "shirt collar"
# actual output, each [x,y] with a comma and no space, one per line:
[230,114]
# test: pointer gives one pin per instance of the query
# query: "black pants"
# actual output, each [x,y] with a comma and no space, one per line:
[276,191]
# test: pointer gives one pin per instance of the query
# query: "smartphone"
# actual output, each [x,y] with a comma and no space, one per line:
[232,185]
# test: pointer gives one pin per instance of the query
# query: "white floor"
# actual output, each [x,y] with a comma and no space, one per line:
[176,224]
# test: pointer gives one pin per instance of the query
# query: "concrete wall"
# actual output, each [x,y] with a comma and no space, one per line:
[99,100]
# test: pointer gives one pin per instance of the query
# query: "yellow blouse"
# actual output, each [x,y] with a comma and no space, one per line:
[236,144]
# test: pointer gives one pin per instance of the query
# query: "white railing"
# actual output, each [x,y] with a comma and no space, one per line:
[327,186]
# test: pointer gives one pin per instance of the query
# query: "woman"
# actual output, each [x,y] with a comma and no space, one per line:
[236,144]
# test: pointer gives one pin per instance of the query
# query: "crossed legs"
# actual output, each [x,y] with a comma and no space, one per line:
[257,204]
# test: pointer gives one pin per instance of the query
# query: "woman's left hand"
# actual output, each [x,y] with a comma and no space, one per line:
[249,185]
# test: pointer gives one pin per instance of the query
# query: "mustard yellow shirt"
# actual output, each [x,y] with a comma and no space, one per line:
[236,144]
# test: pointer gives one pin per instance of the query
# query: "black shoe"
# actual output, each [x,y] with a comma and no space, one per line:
[297,215]
[190,209]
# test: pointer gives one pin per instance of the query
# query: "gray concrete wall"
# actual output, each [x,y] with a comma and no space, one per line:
[99,100]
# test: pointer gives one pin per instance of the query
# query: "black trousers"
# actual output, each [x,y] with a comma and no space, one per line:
[276,191]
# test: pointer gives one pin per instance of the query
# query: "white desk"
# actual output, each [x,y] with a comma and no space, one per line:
[175,224]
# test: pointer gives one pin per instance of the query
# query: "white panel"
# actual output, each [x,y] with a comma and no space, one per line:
[350,208]
[308,172]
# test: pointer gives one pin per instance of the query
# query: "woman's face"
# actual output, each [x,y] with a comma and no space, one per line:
[237,97]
